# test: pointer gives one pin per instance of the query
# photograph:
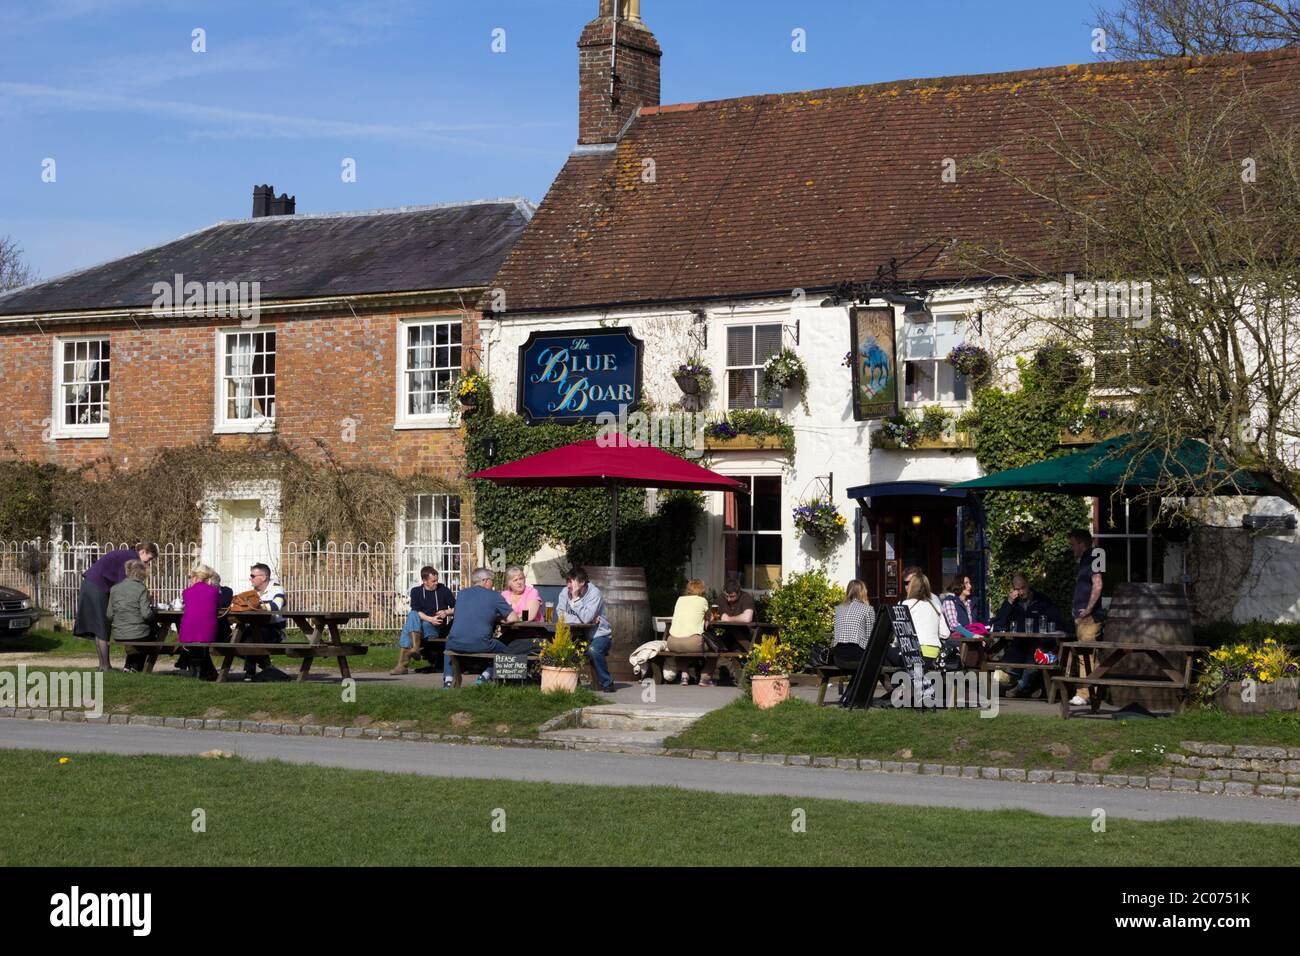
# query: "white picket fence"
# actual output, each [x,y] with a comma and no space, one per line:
[375,578]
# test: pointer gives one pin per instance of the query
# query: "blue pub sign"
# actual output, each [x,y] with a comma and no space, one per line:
[576,376]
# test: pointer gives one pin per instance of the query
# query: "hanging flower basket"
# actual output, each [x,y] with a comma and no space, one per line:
[971,361]
[470,390]
[820,520]
[785,370]
[694,378]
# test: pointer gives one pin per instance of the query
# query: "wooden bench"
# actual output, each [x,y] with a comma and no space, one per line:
[697,658]
[828,672]
[229,651]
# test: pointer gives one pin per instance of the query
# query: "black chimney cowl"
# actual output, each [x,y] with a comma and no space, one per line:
[266,203]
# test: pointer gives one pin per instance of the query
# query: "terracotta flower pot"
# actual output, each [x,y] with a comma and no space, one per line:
[770,691]
[559,678]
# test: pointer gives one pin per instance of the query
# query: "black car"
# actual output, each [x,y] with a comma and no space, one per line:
[16,613]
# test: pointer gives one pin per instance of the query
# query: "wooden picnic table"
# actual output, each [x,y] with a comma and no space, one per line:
[739,636]
[993,649]
[1107,654]
[313,623]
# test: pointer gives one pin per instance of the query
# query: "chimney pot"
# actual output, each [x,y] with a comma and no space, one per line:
[262,200]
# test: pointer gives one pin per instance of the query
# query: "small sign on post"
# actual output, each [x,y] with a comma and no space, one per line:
[509,667]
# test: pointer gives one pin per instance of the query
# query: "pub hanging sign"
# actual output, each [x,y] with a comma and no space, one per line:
[577,376]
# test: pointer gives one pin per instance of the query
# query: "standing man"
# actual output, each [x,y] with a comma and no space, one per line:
[582,601]
[271,596]
[431,610]
[477,611]
[96,583]
[1086,603]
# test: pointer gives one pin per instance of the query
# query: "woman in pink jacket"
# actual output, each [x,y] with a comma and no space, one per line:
[199,623]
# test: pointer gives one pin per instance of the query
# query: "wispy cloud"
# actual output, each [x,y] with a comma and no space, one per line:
[222,122]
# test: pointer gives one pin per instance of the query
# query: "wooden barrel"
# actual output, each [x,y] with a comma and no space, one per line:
[1147,614]
[627,606]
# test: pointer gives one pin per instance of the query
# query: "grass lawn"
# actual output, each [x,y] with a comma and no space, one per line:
[963,737]
[487,710]
[54,643]
[88,812]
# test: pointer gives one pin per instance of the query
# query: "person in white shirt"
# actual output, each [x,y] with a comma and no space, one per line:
[927,615]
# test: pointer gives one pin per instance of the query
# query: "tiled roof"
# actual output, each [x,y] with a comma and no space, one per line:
[765,194]
[451,246]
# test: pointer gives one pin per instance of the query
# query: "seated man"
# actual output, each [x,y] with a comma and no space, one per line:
[737,603]
[1021,604]
[478,609]
[271,596]
[430,616]
[582,602]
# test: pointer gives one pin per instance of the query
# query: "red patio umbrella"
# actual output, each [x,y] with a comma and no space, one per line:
[621,463]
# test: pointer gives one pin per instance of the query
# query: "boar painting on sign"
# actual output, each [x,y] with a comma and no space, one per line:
[577,376]
[874,363]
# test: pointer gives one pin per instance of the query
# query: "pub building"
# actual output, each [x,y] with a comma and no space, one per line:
[819,222]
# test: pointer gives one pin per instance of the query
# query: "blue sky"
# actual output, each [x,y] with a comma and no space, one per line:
[152,140]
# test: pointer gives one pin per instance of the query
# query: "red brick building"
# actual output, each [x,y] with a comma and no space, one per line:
[338,331]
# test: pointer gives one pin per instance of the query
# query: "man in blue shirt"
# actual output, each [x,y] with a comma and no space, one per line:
[478,609]
[432,607]
[1086,601]
[581,601]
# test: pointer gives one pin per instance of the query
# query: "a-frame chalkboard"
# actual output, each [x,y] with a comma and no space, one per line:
[896,625]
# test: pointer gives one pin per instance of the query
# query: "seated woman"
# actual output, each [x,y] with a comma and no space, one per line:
[854,621]
[130,612]
[198,627]
[686,631]
[957,608]
[520,595]
[927,616]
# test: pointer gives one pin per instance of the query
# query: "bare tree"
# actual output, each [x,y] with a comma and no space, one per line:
[14,272]
[1145,29]
[1189,189]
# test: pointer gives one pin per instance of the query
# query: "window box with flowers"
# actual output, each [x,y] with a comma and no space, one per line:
[934,428]
[1246,679]
[749,429]
[785,370]
[1096,423]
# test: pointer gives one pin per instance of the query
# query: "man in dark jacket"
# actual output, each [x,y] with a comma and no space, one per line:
[432,608]
[1021,611]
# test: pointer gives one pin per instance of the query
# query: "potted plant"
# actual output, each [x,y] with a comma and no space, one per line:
[785,370]
[820,520]
[1248,679]
[694,378]
[768,667]
[561,657]
[971,361]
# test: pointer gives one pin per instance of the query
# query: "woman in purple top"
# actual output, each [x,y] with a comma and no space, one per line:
[92,603]
[199,622]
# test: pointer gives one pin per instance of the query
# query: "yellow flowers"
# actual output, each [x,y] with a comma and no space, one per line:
[64,760]
[561,650]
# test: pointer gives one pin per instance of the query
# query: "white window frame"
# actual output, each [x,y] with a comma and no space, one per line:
[753,473]
[777,401]
[939,360]
[60,429]
[439,417]
[450,576]
[222,425]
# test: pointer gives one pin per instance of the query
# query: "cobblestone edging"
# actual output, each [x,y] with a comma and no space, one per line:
[1227,786]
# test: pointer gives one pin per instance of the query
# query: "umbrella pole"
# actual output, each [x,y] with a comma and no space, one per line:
[613,521]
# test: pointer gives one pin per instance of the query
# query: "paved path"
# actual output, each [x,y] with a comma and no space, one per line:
[444,760]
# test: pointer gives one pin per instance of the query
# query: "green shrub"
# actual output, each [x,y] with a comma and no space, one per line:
[802,606]
[1222,632]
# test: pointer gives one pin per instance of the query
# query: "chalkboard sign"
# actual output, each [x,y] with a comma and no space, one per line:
[863,684]
[510,667]
[909,646]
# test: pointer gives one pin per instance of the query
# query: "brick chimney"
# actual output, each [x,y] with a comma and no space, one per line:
[266,203]
[616,39]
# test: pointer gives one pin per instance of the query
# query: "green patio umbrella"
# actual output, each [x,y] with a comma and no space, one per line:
[1130,463]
